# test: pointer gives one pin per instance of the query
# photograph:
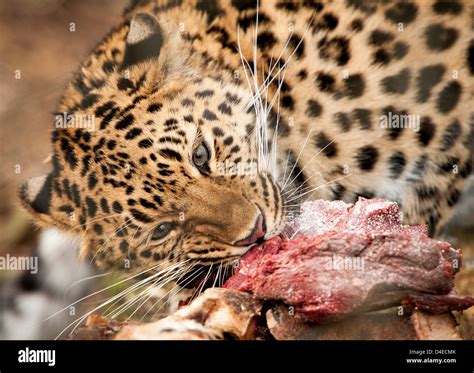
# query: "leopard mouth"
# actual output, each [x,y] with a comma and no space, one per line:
[257,233]
[212,272]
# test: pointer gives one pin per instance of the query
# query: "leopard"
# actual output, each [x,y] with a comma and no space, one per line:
[214,120]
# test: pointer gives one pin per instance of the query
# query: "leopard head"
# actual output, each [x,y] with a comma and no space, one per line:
[172,169]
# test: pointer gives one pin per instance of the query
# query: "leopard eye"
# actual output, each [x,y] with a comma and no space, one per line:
[201,156]
[162,231]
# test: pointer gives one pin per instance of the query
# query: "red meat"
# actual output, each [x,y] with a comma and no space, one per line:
[351,258]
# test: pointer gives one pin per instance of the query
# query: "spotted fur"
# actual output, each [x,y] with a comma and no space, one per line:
[177,77]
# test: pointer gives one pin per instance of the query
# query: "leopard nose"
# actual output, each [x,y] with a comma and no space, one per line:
[257,232]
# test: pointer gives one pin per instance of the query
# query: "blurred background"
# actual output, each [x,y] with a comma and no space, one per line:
[36,42]
[41,44]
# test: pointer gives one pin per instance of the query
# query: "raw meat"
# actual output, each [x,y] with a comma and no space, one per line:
[366,216]
[351,258]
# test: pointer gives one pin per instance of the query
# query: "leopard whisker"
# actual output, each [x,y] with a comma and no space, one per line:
[178,275]
[169,293]
[101,290]
[198,290]
[118,296]
[294,51]
[296,161]
[313,157]
[297,205]
[115,312]
[217,275]
[85,279]
[161,280]
[286,164]
[329,183]
[275,137]
[79,320]
[245,64]
[299,187]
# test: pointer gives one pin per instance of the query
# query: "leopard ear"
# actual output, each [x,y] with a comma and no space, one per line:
[144,40]
[35,195]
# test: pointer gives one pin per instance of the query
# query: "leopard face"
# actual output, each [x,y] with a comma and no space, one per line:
[172,171]
[187,184]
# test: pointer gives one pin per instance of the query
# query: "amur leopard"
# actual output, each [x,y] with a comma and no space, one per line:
[214,119]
